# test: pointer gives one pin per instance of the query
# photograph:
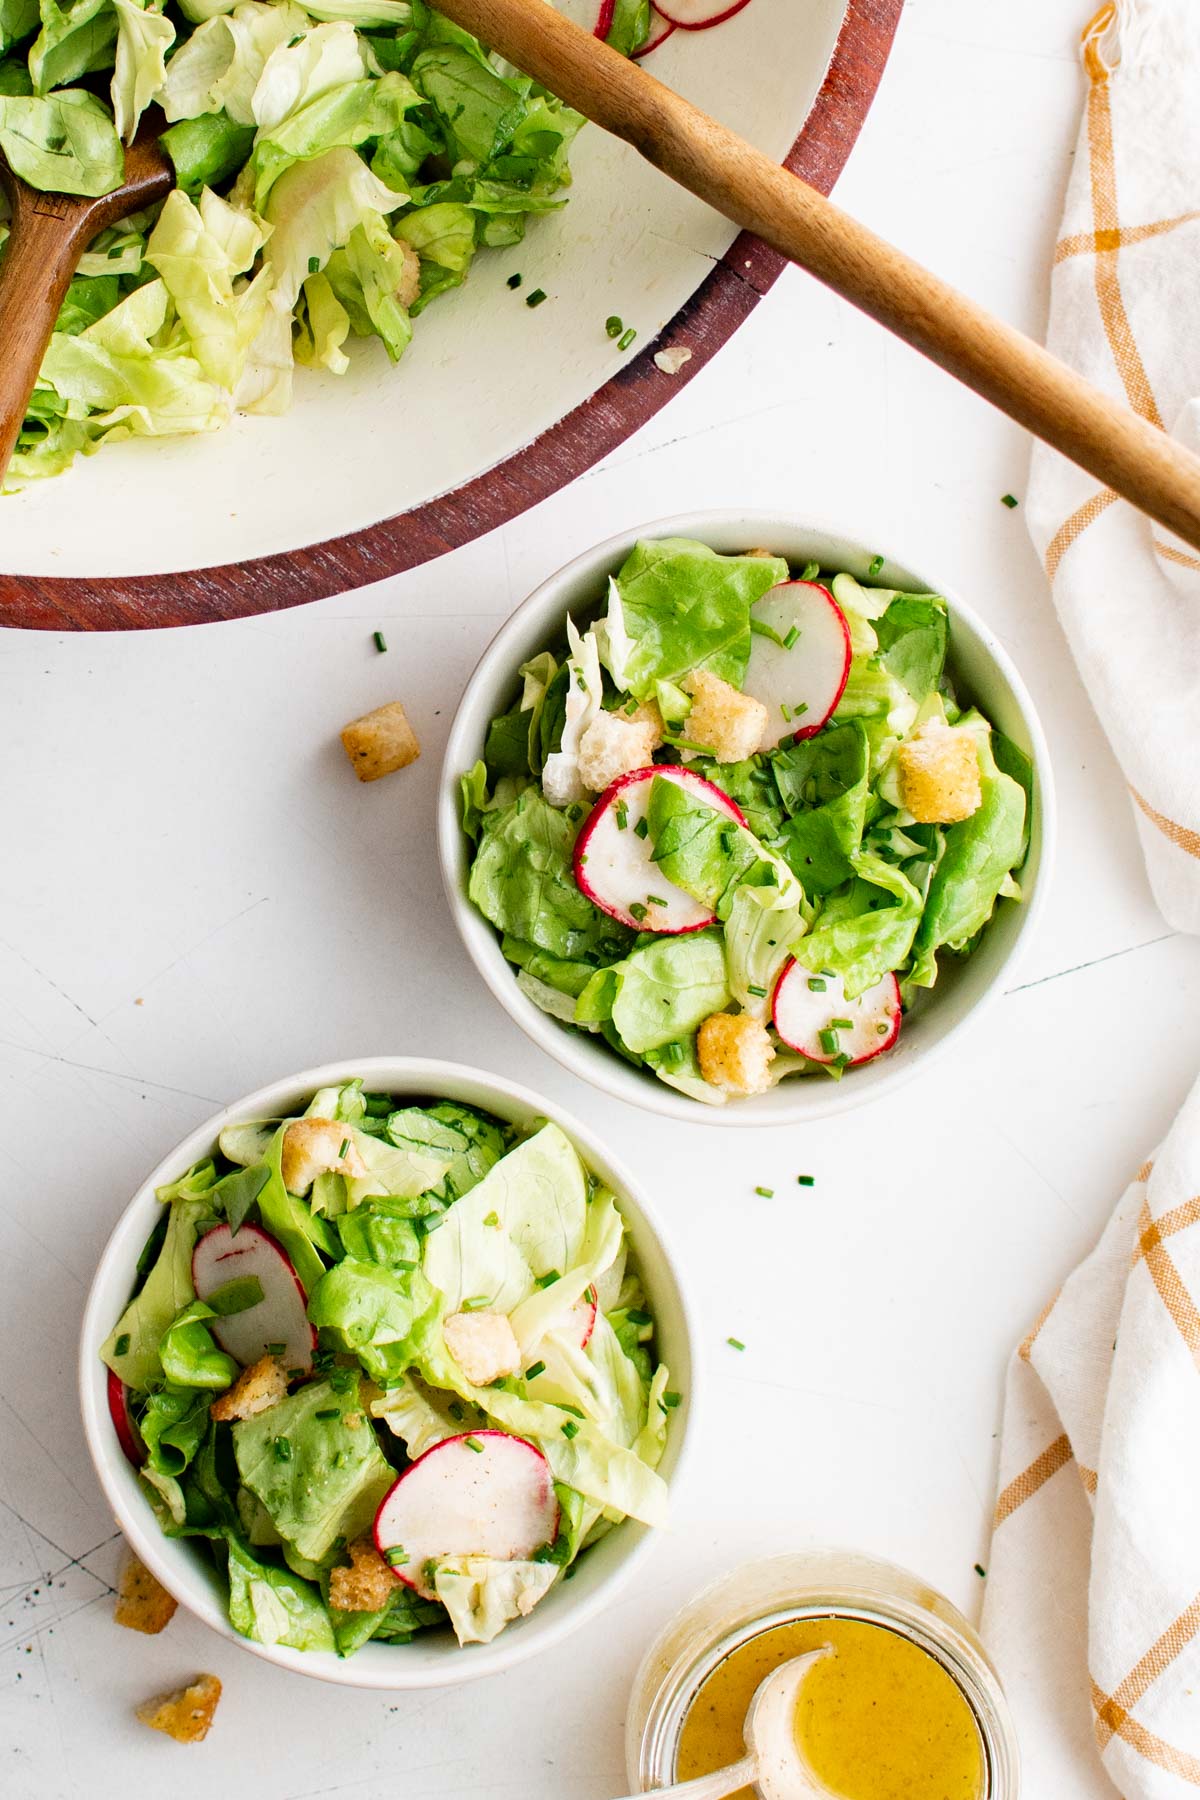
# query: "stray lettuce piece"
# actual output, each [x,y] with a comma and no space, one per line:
[318,1478]
[522,880]
[64,143]
[188,1354]
[274,1606]
[687,608]
[167,1291]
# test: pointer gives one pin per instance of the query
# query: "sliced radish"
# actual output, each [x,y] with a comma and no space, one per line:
[280,1317]
[805,1005]
[604,20]
[128,1435]
[496,1500]
[661,29]
[613,865]
[699,15]
[583,1314]
[801,678]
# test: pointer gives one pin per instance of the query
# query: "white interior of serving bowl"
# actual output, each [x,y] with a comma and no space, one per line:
[983,673]
[433,1659]
[483,376]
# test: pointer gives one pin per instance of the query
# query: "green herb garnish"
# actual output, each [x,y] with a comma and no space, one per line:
[474,1444]
[121,1345]
[536,298]
[380,642]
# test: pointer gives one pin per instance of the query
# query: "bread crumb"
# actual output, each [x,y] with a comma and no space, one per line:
[313,1147]
[143,1603]
[380,742]
[186,1713]
[728,723]
[483,1344]
[939,774]
[735,1053]
[613,746]
[367,1585]
[672,360]
[260,1386]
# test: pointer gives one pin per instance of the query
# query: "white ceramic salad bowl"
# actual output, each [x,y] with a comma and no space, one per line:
[432,1659]
[983,673]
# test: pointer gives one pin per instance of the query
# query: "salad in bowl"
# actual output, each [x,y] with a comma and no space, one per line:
[388,1368]
[735,817]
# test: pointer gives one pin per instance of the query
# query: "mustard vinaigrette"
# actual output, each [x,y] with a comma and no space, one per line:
[878,1720]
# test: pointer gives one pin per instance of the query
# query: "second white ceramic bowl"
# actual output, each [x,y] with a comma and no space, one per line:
[982,672]
[433,1659]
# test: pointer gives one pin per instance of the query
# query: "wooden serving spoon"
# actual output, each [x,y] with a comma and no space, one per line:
[1122,450]
[49,234]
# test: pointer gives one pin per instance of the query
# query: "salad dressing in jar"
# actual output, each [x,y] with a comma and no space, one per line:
[907,1708]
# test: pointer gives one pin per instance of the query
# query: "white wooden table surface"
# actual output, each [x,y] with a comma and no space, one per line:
[195,896]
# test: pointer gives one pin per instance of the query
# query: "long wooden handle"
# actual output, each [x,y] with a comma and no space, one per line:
[49,232]
[1121,449]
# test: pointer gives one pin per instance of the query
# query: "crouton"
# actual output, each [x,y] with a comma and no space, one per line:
[729,724]
[380,742]
[939,774]
[185,1714]
[313,1147]
[613,746]
[483,1344]
[761,552]
[735,1053]
[367,1585]
[256,1388]
[408,288]
[143,1603]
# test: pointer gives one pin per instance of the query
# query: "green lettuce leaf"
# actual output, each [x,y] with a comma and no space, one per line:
[522,880]
[375,1311]
[74,40]
[143,39]
[660,992]
[63,144]
[188,1354]
[824,784]
[274,1606]
[166,1292]
[687,608]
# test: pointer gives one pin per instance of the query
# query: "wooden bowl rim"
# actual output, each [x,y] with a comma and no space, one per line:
[723,301]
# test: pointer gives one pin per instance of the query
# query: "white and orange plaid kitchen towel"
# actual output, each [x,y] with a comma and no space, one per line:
[1125,311]
[1092,1608]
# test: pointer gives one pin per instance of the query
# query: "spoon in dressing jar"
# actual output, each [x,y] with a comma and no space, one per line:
[773,1763]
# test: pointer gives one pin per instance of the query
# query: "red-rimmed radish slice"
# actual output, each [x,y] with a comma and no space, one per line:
[801,677]
[280,1317]
[805,1005]
[604,19]
[661,29]
[128,1435]
[485,1493]
[613,864]
[699,15]
[583,1314]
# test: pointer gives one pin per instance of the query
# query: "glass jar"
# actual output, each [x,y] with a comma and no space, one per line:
[778,1591]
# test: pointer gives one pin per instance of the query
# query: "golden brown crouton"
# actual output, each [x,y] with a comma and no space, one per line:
[409,286]
[380,742]
[939,774]
[735,1053]
[185,1714]
[256,1388]
[612,746]
[761,552]
[729,724]
[313,1147]
[367,1585]
[143,1603]
[483,1344]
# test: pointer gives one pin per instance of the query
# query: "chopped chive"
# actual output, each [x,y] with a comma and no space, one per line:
[760,628]
[671,1400]
[492,1219]
[638,911]
[121,1345]
[799,709]
[474,1444]
[514,281]
[784,710]
[759,993]
[295,1374]
[630,706]
[614,325]
[283,1449]
[735,1343]
[876,565]
[622,812]
[570,1573]
[829,1042]
[980,1571]
[636,1317]
[806,1180]
[791,637]
[314,263]
[641,829]
[673,1054]
[395,1554]
[536,298]
[570,1429]
[767,1193]
[1009,500]
[573,1410]
[538,1368]
[840,1025]
[380,642]
[456,1412]
[810,571]
[549,1278]
[626,338]
[344,1148]
[816,985]
[655,900]
[882,1030]
[327,1412]
[475,1303]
